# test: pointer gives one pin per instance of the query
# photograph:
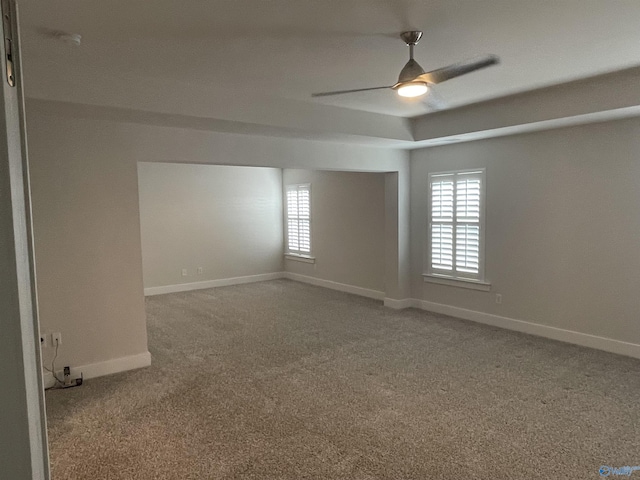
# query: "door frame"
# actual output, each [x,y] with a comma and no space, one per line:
[23,435]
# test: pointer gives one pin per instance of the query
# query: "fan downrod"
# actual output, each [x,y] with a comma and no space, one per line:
[411,38]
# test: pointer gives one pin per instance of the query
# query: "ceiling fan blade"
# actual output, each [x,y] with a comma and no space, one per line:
[434,101]
[452,71]
[340,92]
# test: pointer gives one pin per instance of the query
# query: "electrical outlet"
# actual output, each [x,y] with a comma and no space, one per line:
[56,338]
[200,270]
[184,272]
[498,298]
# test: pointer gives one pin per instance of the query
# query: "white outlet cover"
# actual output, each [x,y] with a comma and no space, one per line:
[56,337]
[184,272]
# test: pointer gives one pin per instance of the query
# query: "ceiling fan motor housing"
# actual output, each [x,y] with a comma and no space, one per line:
[410,71]
[412,37]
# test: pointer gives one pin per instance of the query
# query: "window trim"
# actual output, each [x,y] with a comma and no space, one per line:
[306,257]
[443,277]
[297,257]
[457,282]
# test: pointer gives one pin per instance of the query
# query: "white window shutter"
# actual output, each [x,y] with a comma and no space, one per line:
[442,197]
[293,235]
[468,193]
[292,203]
[456,224]
[299,219]
[442,246]
[468,249]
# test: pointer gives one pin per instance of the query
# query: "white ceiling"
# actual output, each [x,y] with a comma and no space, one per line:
[211,53]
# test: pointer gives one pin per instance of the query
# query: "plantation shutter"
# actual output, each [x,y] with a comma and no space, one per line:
[299,219]
[442,197]
[456,224]
[468,191]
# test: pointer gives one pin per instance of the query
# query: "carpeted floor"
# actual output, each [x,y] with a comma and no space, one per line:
[282,380]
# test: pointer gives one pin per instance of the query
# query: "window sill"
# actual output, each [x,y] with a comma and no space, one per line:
[300,258]
[457,282]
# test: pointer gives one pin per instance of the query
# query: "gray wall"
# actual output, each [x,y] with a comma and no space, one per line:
[86,215]
[562,227]
[546,191]
[87,240]
[227,220]
[562,223]
[348,227]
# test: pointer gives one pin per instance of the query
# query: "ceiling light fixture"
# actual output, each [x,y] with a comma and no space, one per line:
[412,89]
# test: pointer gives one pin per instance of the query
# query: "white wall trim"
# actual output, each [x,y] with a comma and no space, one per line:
[569,336]
[223,282]
[108,367]
[399,304]
[343,287]
[554,333]
[300,258]
[457,282]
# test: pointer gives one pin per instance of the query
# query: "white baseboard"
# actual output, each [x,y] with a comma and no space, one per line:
[568,336]
[100,369]
[343,287]
[554,333]
[399,304]
[223,282]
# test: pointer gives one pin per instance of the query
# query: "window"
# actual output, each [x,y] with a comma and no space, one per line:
[456,225]
[299,219]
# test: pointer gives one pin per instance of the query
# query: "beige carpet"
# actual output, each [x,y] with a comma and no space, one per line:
[281,380]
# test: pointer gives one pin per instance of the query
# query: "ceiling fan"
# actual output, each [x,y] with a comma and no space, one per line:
[414,81]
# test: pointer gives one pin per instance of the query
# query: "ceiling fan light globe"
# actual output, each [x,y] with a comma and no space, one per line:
[413,89]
